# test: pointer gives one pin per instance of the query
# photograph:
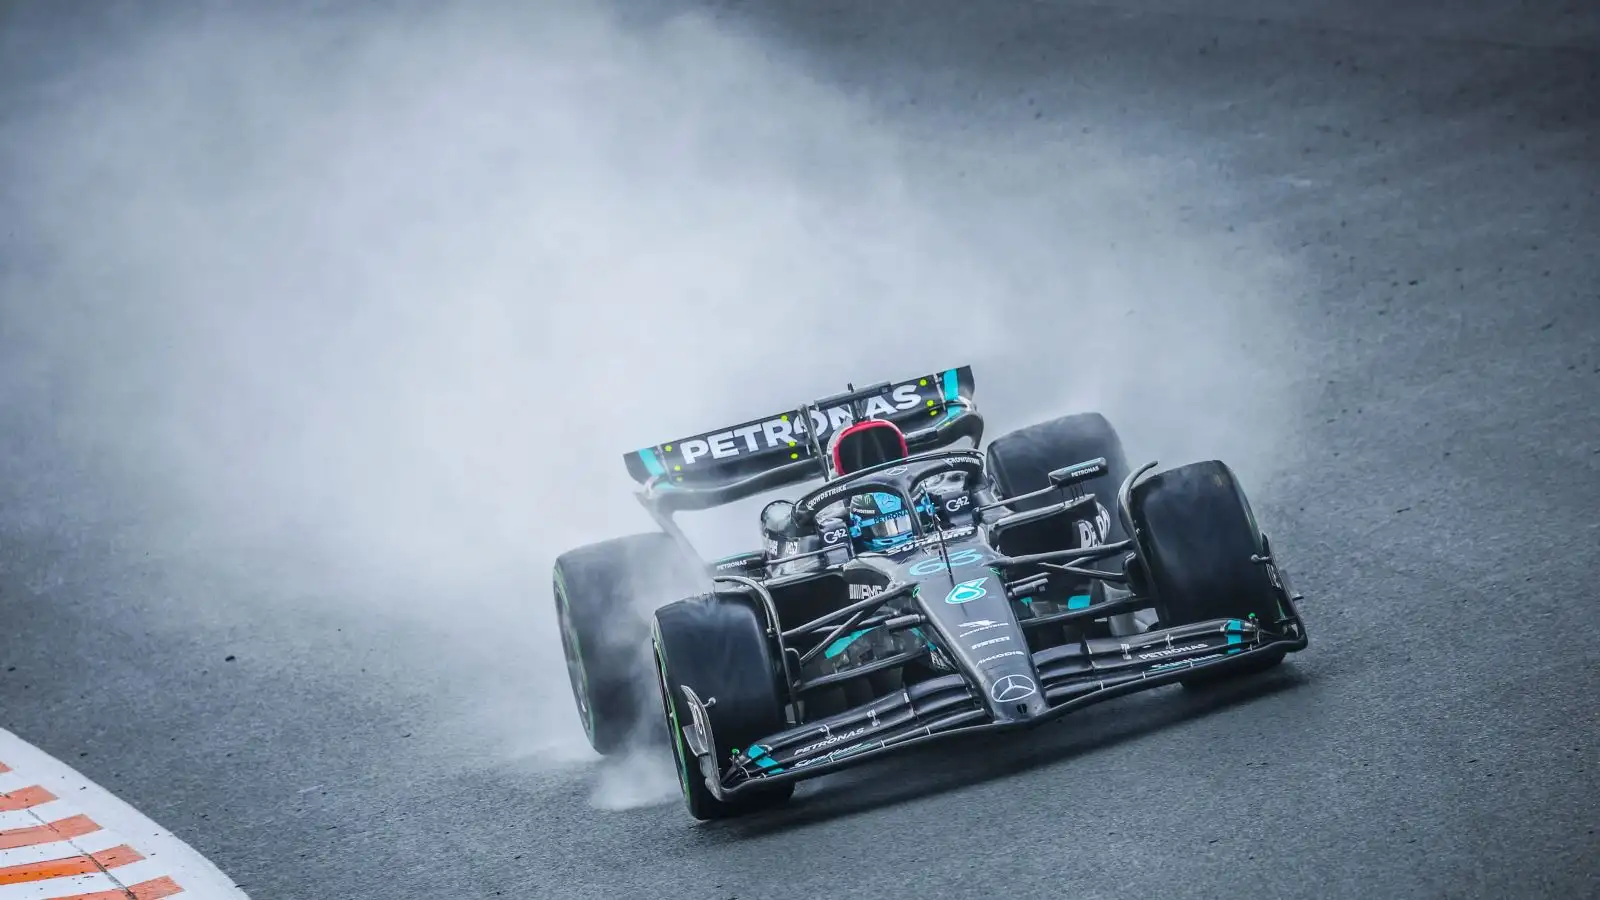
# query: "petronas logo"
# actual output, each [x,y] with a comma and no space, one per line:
[967,591]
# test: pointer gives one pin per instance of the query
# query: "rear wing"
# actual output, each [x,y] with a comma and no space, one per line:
[788,447]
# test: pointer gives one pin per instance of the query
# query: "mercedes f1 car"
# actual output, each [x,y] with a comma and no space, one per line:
[920,591]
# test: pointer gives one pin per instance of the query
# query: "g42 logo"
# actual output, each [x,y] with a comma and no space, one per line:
[967,591]
[957,559]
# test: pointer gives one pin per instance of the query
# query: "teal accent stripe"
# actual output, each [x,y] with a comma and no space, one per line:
[1078,601]
[838,646]
[1234,639]
[759,754]
[652,463]
[952,391]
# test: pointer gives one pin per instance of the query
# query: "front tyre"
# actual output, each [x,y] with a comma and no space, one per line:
[1197,536]
[717,644]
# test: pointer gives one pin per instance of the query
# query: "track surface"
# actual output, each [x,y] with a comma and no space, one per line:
[1437,178]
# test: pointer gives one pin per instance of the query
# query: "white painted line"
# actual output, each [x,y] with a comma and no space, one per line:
[53,811]
[61,887]
[104,839]
[164,856]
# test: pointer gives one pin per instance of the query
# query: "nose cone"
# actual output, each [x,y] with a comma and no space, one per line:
[1015,696]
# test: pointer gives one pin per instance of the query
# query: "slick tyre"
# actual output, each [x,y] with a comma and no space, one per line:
[717,645]
[1023,460]
[604,594]
[1196,536]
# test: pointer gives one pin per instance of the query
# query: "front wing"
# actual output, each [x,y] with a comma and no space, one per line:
[1071,677]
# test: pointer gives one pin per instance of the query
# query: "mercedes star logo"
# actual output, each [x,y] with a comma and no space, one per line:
[1012,687]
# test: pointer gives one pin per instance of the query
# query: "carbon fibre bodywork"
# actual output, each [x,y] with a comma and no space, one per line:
[990,617]
[975,606]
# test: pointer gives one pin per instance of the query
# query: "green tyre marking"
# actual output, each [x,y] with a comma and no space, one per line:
[679,751]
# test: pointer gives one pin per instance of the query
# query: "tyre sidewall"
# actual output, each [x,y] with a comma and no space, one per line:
[717,645]
[603,596]
[1196,537]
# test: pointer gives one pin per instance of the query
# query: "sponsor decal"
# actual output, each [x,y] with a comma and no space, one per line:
[835,535]
[863,591]
[1171,651]
[840,753]
[830,740]
[822,499]
[966,557]
[1000,656]
[967,591]
[959,503]
[900,550]
[850,751]
[896,471]
[1088,536]
[1184,663]
[1012,688]
[934,540]
[978,625]
[945,535]
[788,430]
[991,641]
[1093,533]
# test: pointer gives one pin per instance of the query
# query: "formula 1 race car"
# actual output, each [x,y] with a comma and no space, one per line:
[918,592]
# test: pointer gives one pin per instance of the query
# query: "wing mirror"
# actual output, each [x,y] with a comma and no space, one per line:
[1079,472]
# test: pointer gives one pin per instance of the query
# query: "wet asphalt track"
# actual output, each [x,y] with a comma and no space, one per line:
[1439,180]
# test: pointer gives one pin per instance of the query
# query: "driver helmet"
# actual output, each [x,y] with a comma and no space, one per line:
[879,522]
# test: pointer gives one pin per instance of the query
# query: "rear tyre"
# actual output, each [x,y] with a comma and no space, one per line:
[604,593]
[1023,460]
[1196,536]
[717,645]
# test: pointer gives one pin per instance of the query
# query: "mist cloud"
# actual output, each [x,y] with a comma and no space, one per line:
[386,293]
